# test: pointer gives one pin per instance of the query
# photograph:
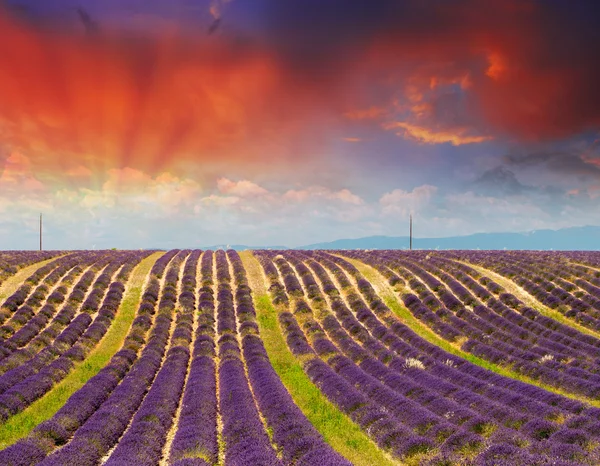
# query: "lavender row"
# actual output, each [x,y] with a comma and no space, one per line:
[66,273]
[32,328]
[539,360]
[380,323]
[421,409]
[562,342]
[101,431]
[13,261]
[549,276]
[143,442]
[562,435]
[12,303]
[82,404]
[517,387]
[445,368]
[195,440]
[552,290]
[579,299]
[345,324]
[361,311]
[62,342]
[589,258]
[389,433]
[522,315]
[384,429]
[246,441]
[20,395]
[19,307]
[489,338]
[31,331]
[299,441]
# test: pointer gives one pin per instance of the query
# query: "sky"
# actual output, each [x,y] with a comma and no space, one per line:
[189,123]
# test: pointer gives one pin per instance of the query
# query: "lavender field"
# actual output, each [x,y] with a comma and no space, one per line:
[266,357]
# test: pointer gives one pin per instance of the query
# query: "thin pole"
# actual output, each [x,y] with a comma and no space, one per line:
[40,232]
[411,232]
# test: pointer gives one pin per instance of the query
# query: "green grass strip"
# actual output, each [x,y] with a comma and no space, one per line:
[337,429]
[44,408]
[386,292]
[530,300]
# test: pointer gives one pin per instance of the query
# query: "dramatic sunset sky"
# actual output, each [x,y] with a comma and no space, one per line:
[187,123]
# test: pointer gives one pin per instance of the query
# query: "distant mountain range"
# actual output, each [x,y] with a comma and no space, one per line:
[577,239]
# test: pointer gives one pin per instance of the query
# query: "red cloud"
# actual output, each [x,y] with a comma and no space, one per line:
[473,69]
[144,100]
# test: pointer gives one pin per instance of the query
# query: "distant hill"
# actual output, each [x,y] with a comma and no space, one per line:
[578,238]
[567,239]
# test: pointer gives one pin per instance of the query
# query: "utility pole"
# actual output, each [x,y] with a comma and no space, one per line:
[411,232]
[40,232]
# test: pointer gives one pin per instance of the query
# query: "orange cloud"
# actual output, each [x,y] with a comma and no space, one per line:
[366,114]
[146,101]
[497,67]
[455,137]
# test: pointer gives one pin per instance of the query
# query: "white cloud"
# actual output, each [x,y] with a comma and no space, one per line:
[405,202]
[243,188]
[319,192]
[130,208]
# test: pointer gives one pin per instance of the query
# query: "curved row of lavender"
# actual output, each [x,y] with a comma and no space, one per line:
[299,441]
[157,402]
[589,421]
[108,423]
[492,328]
[554,280]
[50,272]
[37,307]
[83,408]
[31,380]
[532,418]
[26,301]
[66,327]
[40,330]
[143,441]
[13,261]
[369,405]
